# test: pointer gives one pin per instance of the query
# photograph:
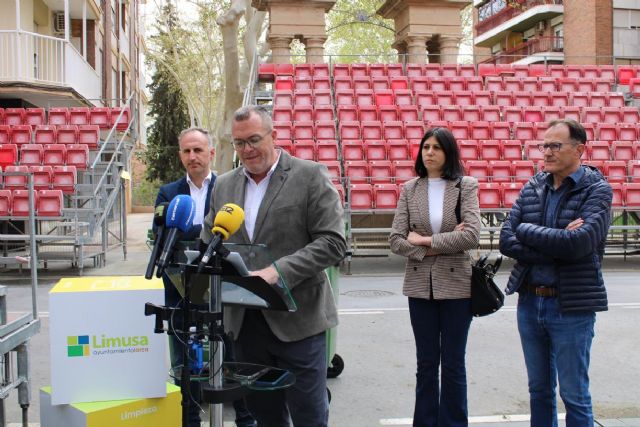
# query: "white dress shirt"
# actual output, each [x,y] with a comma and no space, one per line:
[199,195]
[436,203]
[253,195]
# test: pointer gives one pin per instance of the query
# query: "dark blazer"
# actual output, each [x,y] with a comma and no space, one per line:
[576,255]
[168,191]
[301,221]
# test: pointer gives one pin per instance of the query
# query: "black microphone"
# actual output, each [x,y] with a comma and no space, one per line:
[179,221]
[159,219]
[227,221]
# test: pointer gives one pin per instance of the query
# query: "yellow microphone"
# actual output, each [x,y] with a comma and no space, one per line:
[226,222]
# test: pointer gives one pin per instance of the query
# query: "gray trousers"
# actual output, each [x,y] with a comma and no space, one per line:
[305,403]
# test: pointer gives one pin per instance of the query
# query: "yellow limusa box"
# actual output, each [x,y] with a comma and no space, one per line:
[155,412]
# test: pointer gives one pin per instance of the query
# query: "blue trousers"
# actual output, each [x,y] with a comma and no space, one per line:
[440,328]
[556,345]
[306,402]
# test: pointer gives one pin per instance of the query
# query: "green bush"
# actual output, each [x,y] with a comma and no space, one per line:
[144,192]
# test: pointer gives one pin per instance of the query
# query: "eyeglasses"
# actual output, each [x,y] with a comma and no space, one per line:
[253,141]
[553,146]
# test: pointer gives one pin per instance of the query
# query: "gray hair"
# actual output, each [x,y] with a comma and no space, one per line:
[196,129]
[244,113]
[576,130]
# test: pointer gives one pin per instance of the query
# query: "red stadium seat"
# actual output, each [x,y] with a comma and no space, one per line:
[552,113]
[503,98]
[393,70]
[511,150]
[323,113]
[480,130]
[523,170]
[510,193]
[456,84]
[494,84]
[327,149]
[404,170]
[5,134]
[540,99]
[366,97]
[598,150]
[342,83]
[20,202]
[347,113]
[5,202]
[631,195]
[284,69]
[400,82]
[303,83]
[359,70]
[627,132]
[303,130]
[547,84]
[378,70]
[368,113]
[615,100]
[500,130]
[77,155]
[606,132]
[41,177]
[283,99]
[282,114]
[305,149]
[375,150]
[424,99]
[589,128]
[490,113]
[388,113]
[14,116]
[284,83]
[300,113]
[380,171]
[451,113]
[459,129]
[31,154]
[558,99]
[349,130]
[512,114]
[490,149]
[536,70]
[449,70]
[500,170]
[634,87]
[444,98]
[489,195]
[438,84]
[357,171]
[413,130]
[371,130]
[385,196]
[303,98]
[361,196]
[464,98]
[469,150]
[341,70]
[120,121]
[482,98]
[415,70]
[599,164]
[79,116]
[598,99]
[633,168]
[615,171]
[283,130]
[407,113]
[21,134]
[541,129]
[431,113]
[266,72]
[14,182]
[64,178]
[45,134]
[321,83]
[572,113]
[398,149]
[352,150]
[54,155]
[512,84]
[393,130]
[622,150]
[345,97]
[529,84]
[625,74]
[334,169]
[379,82]
[34,117]
[325,129]
[8,155]
[100,116]
[611,115]
[68,134]
[522,99]
[478,169]
[486,70]
[629,114]
[361,82]
[533,114]
[470,113]
[322,97]
[618,198]
[524,131]
[320,70]
[285,144]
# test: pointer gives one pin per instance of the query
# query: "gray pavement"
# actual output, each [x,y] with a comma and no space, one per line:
[375,340]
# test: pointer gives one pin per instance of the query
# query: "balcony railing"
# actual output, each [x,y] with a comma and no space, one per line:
[512,9]
[36,58]
[530,47]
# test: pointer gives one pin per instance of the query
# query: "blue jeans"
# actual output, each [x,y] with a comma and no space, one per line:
[556,345]
[440,328]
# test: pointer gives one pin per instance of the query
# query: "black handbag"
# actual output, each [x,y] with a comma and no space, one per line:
[486,297]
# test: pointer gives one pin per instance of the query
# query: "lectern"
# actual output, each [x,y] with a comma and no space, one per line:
[226,281]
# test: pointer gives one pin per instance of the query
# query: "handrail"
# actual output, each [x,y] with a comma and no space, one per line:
[29,33]
[116,150]
[99,153]
[510,12]
[248,93]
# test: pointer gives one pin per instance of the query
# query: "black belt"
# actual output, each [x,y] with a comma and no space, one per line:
[539,291]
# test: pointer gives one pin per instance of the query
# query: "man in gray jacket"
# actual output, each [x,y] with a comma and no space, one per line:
[556,232]
[291,206]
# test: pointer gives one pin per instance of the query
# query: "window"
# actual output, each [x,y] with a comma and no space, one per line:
[558,40]
[114,86]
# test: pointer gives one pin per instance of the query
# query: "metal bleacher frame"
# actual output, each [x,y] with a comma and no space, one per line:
[623,238]
[94,219]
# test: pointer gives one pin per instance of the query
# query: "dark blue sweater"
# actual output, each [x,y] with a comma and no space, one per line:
[575,255]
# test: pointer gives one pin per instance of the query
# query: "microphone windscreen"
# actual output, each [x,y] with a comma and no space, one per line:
[228,220]
[181,212]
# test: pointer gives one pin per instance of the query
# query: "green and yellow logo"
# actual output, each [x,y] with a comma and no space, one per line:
[78,345]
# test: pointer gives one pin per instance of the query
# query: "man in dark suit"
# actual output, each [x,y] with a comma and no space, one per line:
[196,153]
[291,206]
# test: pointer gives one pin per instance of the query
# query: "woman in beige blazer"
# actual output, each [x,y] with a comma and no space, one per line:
[438,275]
